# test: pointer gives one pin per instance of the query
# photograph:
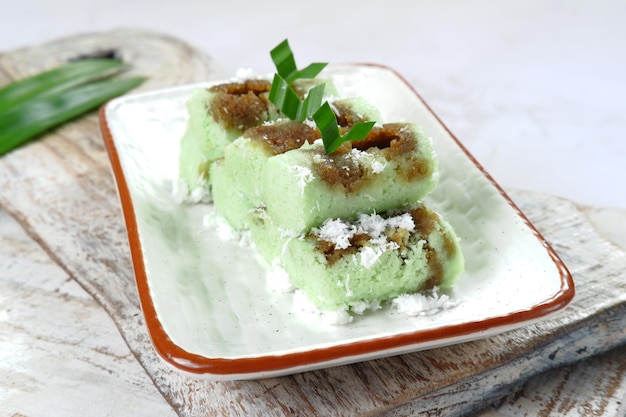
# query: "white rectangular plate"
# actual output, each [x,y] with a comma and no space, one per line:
[207,307]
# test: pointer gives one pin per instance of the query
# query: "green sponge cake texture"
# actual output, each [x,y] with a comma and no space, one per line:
[209,129]
[220,114]
[195,147]
[303,187]
[370,260]
[315,186]
[348,228]
[237,179]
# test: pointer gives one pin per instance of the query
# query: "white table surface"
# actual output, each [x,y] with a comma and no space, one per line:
[536,90]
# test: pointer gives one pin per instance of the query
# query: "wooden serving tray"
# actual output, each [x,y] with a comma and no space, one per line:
[60,189]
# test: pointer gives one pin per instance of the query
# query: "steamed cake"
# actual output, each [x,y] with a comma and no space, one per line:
[238,178]
[218,115]
[343,264]
[392,167]
[348,229]
[284,168]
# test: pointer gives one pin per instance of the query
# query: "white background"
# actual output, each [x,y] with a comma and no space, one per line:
[536,90]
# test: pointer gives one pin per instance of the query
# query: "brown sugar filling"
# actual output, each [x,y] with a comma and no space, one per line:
[284,136]
[396,141]
[241,105]
[333,254]
[337,168]
[346,117]
[426,222]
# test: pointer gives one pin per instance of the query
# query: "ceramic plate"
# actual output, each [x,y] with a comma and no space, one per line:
[208,310]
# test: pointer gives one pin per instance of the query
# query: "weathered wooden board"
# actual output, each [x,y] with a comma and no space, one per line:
[593,387]
[59,351]
[61,190]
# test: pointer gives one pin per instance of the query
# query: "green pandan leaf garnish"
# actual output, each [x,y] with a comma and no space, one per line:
[286,64]
[289,103]
[326,122]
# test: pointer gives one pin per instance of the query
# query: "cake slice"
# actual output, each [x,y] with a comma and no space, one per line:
[346,265]
[237,179]
[394,166]
[340,216]
[302,186]
[220,114]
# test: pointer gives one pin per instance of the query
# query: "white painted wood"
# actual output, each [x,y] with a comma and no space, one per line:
[60,353]
[61,192]
[594,387]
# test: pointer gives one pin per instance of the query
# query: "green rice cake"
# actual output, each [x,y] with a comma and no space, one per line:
[343,264]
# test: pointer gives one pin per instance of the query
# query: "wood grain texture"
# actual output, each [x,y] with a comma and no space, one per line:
[59,351]
[593,387]
[61,190]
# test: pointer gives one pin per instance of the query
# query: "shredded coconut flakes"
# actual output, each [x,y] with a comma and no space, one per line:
[378,167]
[423,304]
[277,278]
[304,174]
[340,232]
[337,232]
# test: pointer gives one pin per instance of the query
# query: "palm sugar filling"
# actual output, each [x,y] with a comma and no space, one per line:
[278,138]
[425,223]
[241,105]
[393,140]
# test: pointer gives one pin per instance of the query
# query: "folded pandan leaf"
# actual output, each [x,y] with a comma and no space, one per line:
[31,106]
